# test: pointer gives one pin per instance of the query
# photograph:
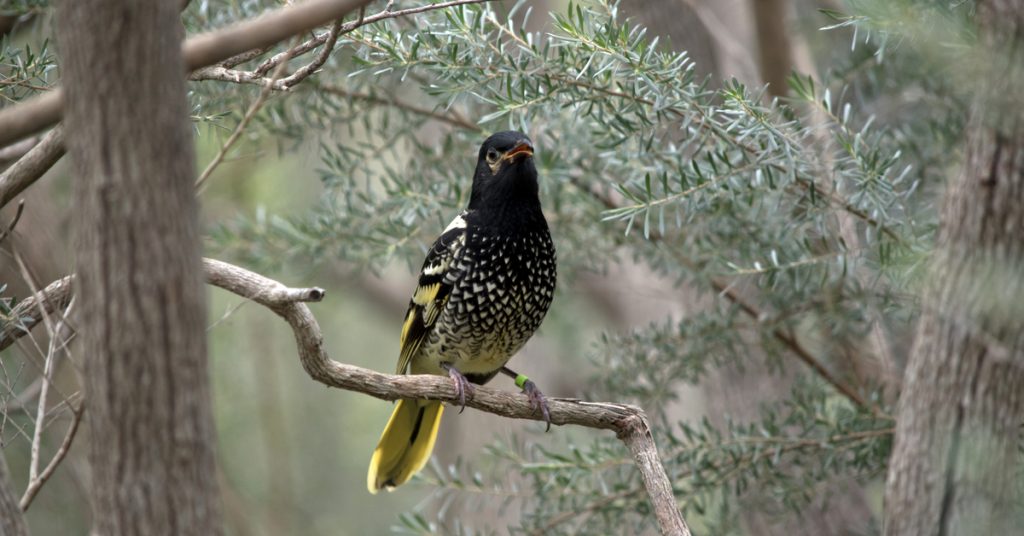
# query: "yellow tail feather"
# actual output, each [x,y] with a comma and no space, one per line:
[405,445]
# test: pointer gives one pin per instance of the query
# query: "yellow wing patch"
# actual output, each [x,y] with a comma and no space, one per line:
[409,347]
[424,304]
[409,318]
[431,295]
[425,295]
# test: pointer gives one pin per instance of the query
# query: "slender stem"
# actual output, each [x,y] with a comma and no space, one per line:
[628,422]
[36,484]
[237,133]
[452,118]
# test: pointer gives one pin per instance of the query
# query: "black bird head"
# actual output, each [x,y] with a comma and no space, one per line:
[505,174]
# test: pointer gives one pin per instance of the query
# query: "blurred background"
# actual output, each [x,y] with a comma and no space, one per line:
[344,181]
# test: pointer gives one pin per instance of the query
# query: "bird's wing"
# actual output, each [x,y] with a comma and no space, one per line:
[439,274]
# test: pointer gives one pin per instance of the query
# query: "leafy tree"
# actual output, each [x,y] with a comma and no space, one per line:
[800,223]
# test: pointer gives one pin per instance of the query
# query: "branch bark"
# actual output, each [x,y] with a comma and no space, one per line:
[44,110]
[36,483]
[628,422]
[955,464]
[27,313]
[225,73]
[31,166]
[142,320]
[45,154]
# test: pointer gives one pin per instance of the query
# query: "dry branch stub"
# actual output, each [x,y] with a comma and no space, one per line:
[629,422]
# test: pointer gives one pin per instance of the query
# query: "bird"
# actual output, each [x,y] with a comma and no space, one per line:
[485,286]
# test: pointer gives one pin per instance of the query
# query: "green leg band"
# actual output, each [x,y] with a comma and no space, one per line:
[521,380]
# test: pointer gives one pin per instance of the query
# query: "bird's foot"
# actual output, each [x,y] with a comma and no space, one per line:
[462,385]
[537,401]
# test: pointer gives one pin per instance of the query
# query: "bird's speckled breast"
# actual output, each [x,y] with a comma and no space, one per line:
[506,287]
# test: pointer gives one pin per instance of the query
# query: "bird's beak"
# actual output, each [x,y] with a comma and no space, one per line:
[524,148]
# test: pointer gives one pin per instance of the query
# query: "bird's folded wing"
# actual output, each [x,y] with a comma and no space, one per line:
[440,271]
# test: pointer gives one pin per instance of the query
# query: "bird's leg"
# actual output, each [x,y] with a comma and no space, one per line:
[462,385]
[537,399]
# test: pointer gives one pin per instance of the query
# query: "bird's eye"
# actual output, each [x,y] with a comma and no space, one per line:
[492,155]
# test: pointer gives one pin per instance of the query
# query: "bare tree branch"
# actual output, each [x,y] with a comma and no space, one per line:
[321,58]
[37,113]
[36,484]
[30,116]
[237,133]
[56,336]
[47,152]
[628,422]
[450,117]
[31,166]
[4,232]
[26,314]
[223,71]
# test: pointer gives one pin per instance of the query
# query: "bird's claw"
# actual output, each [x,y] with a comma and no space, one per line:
[462,386]
[537,401]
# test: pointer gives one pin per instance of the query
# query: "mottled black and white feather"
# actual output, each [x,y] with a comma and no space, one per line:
[433,289]
[484,289]
[489,279]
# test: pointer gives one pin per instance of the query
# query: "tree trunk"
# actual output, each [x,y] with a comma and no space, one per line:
[142,315]
[773,44]
[955,463]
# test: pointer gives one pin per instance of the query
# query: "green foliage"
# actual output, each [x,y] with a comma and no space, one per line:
[804,219]
[18,8]
[814,204]
[24,70]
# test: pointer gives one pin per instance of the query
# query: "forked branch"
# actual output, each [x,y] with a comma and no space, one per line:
[628,422]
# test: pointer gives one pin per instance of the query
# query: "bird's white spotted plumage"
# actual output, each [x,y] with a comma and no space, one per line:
[484,288]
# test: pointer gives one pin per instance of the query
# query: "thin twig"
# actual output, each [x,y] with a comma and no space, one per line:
[37,484]
[785,337]
[237,133]
[794,345]
[724,289]
[52,330]
[321,58]
[25,315]
[452,119]
[14,221]
[628,422]
[224,71]
[57,344]
[386,13]
[37,113]
[37,434]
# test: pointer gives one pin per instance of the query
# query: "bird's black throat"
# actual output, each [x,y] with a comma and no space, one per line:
[506,191]
[515,183]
